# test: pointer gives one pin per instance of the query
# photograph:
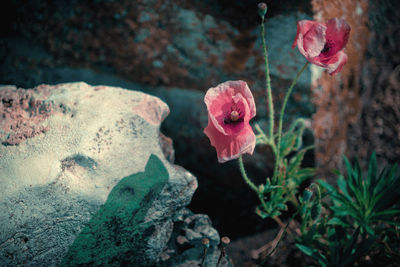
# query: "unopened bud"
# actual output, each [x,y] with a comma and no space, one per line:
[261,188]
[205,242]
[262,9]
[225,241]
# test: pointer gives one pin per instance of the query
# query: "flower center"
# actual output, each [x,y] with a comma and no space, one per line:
[328,45]
[234,115]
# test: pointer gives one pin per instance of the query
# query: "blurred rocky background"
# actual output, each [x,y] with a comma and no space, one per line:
[178,49]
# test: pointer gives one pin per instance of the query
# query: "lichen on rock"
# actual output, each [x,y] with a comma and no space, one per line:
[81,191]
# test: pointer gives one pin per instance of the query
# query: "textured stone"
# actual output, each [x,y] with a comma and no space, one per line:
[378,125]
[55,182]
[171,43]
[185,247]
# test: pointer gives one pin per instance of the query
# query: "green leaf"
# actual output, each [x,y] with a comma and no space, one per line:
[261,213]
[343,187]
[327,186]
[315,254]
[311,232]
[320,258]
[352,245]
[348,166]
[338,221]
[306,172]
[275,213]
[292,139]
[369,230]
[305,249]
[315,211]
[371,177]
[260,139]
[391,222]
[287,143]
[282,206]
[390,212]
[295,162]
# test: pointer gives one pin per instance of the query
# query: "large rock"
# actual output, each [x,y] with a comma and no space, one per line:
[74,182]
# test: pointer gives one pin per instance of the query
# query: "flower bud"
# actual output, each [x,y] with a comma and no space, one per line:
[205,242]
[307,194]
[262,9]
[261,188]
[225,241]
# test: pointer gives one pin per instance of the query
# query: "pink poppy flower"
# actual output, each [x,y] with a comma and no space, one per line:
[322,44]
[230,107]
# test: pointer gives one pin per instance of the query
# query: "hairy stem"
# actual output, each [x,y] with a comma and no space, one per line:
[245,177]
[266,139]
[268,84]
[251,184]
[289,92]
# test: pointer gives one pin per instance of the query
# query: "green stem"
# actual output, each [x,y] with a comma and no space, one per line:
[251,184]
[268,83]
[204,257]
[245,177]
[294,200]
[222,254]
[289,92]
[265,138]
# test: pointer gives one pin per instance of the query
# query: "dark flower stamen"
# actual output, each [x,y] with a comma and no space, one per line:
[327,47]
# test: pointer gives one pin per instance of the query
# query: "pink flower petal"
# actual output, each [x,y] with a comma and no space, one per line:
[303,26]
[314,40]
[231,135]
[337,35]
[336,63]
[322,44]
[218,100]
[231,147]
[310,38]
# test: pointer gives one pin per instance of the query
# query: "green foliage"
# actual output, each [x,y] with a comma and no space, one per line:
[116,232]
[340,248]
[288,175]
[360,212]
[361,215]
[365,200]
